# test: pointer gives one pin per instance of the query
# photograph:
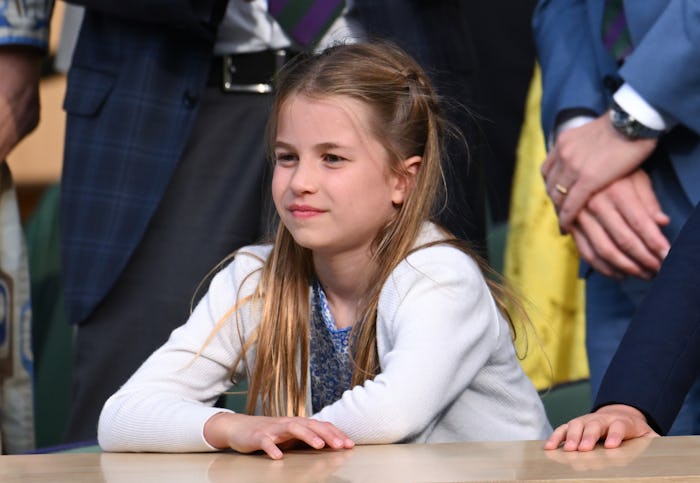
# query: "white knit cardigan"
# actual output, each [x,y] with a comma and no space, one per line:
[448,368]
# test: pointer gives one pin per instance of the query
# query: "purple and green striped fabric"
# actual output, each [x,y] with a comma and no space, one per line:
[306,21]
[616,36]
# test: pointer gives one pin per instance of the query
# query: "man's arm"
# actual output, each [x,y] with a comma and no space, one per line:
[24,31]
[659,357]
[670,44]
[657,361]
[570,76]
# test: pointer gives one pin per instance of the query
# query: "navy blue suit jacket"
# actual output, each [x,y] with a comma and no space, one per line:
[659,357]
[138,70]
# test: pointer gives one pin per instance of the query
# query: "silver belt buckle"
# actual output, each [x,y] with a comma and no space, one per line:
[259,88]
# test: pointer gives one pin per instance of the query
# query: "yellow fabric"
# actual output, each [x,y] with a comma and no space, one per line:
[543,265]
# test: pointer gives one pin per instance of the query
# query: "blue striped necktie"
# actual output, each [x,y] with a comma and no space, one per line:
[306,21]
[616,36]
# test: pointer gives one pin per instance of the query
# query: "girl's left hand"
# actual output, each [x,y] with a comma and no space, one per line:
[615,423]
[246,434]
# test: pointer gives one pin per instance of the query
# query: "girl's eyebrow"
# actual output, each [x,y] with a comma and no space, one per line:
[320,146]
[282,144]
[328,145]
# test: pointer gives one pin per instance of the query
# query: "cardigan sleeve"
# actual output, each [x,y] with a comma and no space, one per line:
[437,326]
[165,404]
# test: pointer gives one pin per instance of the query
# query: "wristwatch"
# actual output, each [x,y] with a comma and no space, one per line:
[629,126]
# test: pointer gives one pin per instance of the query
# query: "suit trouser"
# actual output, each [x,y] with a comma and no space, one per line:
[611,304]
[216,202]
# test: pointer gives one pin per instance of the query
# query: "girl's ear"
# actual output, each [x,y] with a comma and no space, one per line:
[404,183]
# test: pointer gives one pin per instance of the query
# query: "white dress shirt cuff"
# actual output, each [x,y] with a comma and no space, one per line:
[635,105]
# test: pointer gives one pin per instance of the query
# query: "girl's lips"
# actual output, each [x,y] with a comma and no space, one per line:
[303,211]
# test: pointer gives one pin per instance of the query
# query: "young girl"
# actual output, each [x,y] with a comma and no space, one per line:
[363,322]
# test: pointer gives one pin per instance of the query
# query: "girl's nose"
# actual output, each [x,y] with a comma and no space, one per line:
[303,178]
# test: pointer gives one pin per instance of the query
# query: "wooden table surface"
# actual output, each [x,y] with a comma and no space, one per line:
[660,459]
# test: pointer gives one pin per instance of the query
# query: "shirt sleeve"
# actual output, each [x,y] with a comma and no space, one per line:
[25,22]
[634,104]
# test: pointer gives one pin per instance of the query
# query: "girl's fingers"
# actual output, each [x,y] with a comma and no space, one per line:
[333,436]
[592,432]
[557,437]
[278,434]
[270,448]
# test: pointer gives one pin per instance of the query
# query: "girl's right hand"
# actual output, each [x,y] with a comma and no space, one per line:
[246,434]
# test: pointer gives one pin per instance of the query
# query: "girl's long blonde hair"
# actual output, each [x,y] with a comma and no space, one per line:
[405,117]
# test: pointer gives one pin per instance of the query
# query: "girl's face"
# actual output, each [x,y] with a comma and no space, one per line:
[332,186]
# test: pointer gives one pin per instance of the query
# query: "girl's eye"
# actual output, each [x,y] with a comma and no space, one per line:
[333,158]
[285,158]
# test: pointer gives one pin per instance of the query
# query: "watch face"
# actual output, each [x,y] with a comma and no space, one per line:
[630,127]
[624,123]
[620,120]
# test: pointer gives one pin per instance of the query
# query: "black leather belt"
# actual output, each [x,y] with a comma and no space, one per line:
[250,73]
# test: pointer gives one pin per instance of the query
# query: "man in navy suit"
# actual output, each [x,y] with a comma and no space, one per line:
[621,109]
[657,361]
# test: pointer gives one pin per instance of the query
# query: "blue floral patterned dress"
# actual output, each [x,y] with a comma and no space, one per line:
[330,359]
